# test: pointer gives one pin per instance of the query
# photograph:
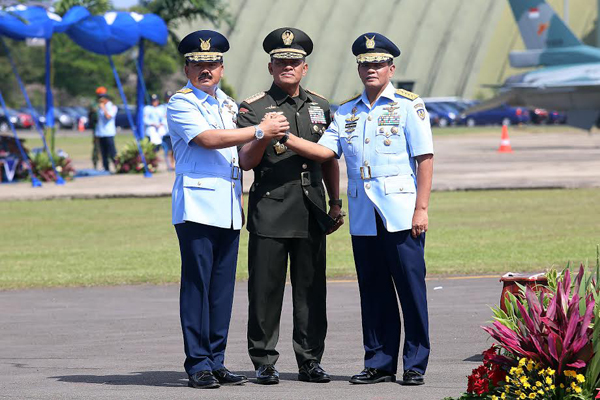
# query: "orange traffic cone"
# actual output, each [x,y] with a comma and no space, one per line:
[505,141]
[81,125]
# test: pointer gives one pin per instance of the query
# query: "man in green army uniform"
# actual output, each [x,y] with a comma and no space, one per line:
[287,214]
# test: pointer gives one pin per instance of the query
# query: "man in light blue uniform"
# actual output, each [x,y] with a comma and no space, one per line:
[106,130]
[155,122]
[207,208]
[385,137]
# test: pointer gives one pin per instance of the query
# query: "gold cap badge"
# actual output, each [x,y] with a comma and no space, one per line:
[370,42]
[204,44]
[288,37]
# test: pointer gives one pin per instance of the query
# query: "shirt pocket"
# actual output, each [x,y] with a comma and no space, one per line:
[352,189]
[389,140]
[277,194]
[204,183]
[399,184]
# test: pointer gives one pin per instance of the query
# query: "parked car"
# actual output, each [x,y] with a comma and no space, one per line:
[501,115]
[446,115]
[20,120]
[538,116]
[64,118]
[121,121]
[555,117]
[38,113]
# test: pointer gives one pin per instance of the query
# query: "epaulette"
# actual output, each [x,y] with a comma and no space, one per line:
[316,94]
[350,99]
[407,94]
[255,97]
[185,90]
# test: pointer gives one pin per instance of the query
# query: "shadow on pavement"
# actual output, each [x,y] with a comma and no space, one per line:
[290,376]
[144,378]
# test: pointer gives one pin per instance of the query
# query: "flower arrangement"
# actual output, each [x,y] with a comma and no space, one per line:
[129,160]
[548,344]
[42,166]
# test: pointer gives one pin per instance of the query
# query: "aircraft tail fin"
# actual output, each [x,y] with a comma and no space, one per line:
[540,26]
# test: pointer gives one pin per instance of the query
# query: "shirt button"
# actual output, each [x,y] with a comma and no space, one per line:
[233,161]
[366,163]
[298,114]
[199,183]
[369,118]
[268,194]
[304,166]
[367,140]
[306,192]
[367,186]
[233,184]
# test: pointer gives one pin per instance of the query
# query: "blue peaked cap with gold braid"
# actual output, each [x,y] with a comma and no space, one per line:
[203,46]
[374,47]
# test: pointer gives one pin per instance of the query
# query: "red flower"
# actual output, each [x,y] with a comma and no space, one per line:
[489,354]
[496,374]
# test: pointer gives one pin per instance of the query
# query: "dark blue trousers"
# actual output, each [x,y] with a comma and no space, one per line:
[208,264]
[387,264]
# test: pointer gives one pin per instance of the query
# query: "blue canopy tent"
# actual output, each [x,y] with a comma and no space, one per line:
[114,33]
[19,23]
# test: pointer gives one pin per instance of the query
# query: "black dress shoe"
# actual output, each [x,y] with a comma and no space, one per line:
[413,378]
[311,371]
[203,380]
[267,375]
[373,375]
[226,377]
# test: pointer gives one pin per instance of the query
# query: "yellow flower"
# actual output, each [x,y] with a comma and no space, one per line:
[577,389]
[551,371]
[532,395]
[541,392]
[522,396]
[513,370]
[522,362]
[552,387]
[503,396]
[562,386]
[519,371]
[494,397]
[573,385]
[580,378]
[548,380]
[538,384]
[570,373]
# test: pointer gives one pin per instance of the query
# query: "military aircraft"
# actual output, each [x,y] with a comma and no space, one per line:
[570,79]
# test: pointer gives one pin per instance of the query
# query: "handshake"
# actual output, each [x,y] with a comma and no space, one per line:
[275,125]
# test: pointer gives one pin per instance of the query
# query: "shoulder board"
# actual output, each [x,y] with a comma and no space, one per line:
[255,97]
[316,94]
[407,94]
[350,99]
[185,90]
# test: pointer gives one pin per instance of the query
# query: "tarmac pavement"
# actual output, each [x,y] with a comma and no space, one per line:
[462,162]
[125,343]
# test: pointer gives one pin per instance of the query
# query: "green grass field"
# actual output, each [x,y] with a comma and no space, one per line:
[131,241]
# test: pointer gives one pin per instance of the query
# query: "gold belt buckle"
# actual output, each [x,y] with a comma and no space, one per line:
[365,172]
[235,172]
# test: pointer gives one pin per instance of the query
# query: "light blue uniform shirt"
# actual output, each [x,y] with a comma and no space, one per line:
[106,127]
[380,144]
[207,187]
[155,123]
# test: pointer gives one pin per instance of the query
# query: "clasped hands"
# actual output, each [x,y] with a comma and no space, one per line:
[274,125]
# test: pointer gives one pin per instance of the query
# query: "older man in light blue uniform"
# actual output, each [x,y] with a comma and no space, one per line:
[207,208]
[385,137]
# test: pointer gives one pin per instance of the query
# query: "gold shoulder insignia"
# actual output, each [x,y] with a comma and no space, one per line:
[350,99]
[316,94]
[255,97]
[407,94]
[185,90]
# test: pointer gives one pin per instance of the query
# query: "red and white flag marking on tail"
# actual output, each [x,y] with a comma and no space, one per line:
[534,13]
